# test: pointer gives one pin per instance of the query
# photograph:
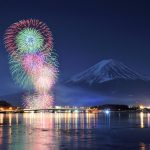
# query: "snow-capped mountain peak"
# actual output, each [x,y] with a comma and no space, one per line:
[107,70]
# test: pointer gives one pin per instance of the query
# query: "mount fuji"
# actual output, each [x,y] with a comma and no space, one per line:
[113,77]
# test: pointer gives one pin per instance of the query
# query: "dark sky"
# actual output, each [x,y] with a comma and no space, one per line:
[84,31]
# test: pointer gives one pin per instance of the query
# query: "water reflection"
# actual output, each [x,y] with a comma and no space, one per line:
[142,120]
[143,146]
[148,119]
[44,131]
[1,129]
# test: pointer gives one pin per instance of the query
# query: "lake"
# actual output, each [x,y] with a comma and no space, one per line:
[75,131]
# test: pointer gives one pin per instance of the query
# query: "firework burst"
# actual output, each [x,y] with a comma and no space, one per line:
[45,78]
[38,101]
[28,36]
[33,62]
[19,75]
[31,69]
[29,40]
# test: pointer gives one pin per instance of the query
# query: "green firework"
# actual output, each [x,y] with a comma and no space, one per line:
[19,75]
[29,40]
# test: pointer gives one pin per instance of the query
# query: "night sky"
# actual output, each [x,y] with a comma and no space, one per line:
[84,33]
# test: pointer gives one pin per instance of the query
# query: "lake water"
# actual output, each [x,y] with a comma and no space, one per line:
[69,131]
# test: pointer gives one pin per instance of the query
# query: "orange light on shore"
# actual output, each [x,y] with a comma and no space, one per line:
[1,109]
[141,107]
[10,108]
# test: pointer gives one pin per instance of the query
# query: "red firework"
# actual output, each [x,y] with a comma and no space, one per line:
[15,28]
